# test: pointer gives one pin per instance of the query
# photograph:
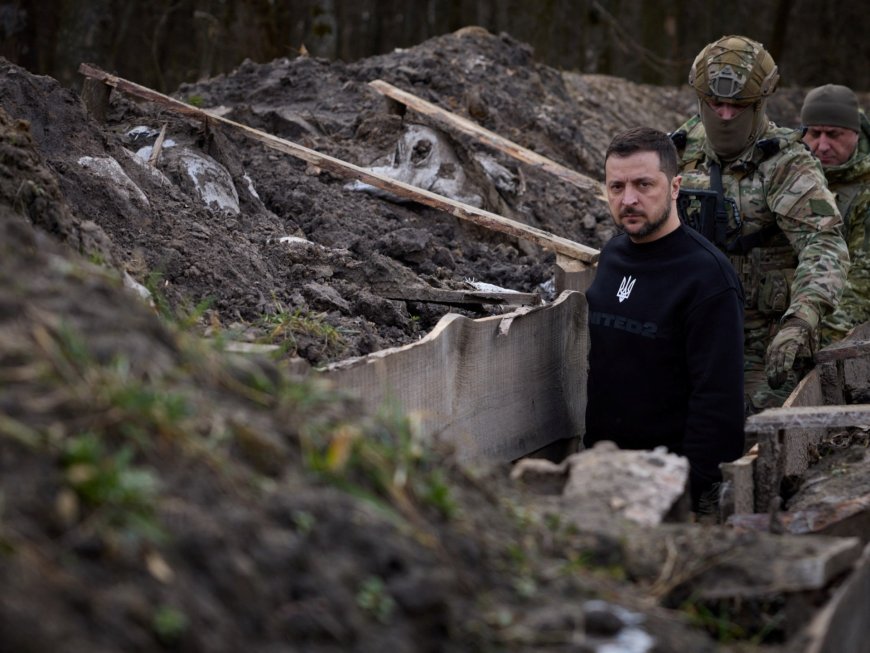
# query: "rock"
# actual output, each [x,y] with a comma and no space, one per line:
[209,180]
[110,169]
[325,298]
[641,486]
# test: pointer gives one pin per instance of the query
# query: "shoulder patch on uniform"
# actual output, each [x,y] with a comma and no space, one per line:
[821,207]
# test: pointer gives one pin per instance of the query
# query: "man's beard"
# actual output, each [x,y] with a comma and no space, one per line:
[650,226]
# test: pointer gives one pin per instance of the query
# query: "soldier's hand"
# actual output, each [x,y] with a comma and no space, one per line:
[793,342]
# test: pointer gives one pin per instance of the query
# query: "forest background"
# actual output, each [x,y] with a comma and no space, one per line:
[162,43]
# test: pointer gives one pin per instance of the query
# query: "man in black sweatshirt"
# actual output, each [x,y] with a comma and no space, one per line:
[665,323]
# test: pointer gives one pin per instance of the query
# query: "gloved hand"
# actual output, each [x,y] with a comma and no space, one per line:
[794,341]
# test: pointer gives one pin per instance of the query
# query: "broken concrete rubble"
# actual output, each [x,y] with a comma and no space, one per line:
[644,487]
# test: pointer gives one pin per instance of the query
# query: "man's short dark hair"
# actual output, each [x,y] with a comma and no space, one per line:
[646,139]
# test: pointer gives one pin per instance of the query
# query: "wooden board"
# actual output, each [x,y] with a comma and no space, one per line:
[843,626]
[347,170]
[741,495]
[843,350]
[496,388]
[810,417]
[800,439]
[459,297]
[571,274]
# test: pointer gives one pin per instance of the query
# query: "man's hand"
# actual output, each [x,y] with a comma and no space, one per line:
[794,341]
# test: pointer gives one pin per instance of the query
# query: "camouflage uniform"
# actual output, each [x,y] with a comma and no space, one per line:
[850,183]
[775,217]
[796,262]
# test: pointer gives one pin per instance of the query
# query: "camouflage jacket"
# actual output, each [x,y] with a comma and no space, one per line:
[850,183]
[783,223]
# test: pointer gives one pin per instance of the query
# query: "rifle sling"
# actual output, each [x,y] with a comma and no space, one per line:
[720,223]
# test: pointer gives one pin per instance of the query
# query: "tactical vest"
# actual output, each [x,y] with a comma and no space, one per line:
[749,236]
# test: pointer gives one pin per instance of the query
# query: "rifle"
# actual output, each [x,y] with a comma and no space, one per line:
[705,212]
[697,208]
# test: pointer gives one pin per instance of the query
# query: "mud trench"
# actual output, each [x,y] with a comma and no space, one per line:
[177,470]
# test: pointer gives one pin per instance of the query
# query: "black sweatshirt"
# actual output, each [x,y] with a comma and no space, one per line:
[666,352]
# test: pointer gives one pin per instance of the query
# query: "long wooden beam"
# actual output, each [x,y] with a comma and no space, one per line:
[344,169]
[466,126]
[460,297]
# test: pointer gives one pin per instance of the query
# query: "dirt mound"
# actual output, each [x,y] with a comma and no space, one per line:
[231,255]
[158,494]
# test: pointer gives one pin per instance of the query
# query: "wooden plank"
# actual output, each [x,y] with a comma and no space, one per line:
[798,442]
[158,147]
[856,371]
[452,121]
[460,297]
[572,274]
[771,564]
[849,518]
[787,435]
[495,388]
[784,448]
[842,625]
[741,494]
[96,99]
[843,350]
[833,383]
[774,419]
[347,170]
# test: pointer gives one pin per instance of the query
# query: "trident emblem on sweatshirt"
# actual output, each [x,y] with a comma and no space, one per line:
[625,288]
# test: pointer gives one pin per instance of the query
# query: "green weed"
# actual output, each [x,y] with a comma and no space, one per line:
[718,623]
[285,328]
[119,495]
[525,586]
[754,621]
[380,459]
[97,259]
[374,599]
[169,624]
[588,562]
[146,410]
[153,283]
[185,315]
[436,493]
[304,521]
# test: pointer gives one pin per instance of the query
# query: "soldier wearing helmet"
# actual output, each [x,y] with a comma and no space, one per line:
[838,134]
[757,192]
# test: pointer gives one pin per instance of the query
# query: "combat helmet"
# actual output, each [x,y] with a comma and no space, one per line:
[735,69]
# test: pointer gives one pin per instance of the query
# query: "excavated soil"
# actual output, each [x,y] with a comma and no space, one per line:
[158,495]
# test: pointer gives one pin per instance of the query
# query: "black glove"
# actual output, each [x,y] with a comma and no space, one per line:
[794,341]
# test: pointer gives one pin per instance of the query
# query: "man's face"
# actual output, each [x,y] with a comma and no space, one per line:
[640,196]
[726,110]
[833,146]
[730,126]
